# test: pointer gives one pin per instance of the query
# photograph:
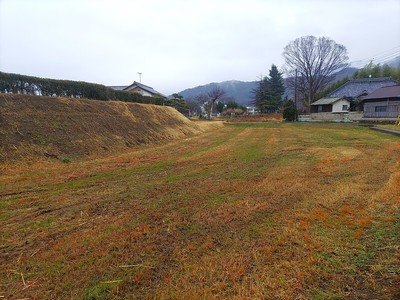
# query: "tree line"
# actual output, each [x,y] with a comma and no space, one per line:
[23,84]
[378,70]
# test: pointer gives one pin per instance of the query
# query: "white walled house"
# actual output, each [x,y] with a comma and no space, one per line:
[332,105]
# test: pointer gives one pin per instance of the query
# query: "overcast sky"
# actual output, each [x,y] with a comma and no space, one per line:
[178,44]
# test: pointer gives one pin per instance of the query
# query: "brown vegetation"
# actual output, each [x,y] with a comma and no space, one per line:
[277,117]
[251,211]
[32,127]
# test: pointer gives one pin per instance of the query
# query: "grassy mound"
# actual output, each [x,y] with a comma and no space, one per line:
[32,126]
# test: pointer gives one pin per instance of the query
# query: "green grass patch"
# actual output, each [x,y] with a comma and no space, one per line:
[47,223]
[100,291]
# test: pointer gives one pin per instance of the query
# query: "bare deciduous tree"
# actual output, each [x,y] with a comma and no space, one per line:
[194,107]
[315,59]
[208,100]
[214,95]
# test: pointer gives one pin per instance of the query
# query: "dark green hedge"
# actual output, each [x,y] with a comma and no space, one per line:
[22,84]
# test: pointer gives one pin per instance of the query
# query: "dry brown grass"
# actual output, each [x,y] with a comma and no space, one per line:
[261,211]
[276,117]
[34,127]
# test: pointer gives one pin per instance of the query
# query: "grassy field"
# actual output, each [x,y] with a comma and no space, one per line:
[392,127]
[249,211]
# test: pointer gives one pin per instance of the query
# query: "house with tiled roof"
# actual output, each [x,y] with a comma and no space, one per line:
[331,104]
[353,96]
[353,90]
[359,87]
[137,87]
[382,103]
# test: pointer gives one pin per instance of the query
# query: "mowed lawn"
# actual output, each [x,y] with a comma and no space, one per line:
[248,211]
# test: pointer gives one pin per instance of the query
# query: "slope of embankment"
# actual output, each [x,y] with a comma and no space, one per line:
[33,126]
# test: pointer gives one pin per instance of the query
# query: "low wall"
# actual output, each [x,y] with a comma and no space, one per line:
[332,117]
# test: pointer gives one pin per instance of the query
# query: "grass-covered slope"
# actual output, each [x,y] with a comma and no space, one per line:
[32,126]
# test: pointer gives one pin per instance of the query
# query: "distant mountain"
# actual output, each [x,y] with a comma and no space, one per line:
[240,91]
[349,71]
[394,62]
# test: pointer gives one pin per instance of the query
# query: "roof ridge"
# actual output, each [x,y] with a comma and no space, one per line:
[139,83]
[371,79]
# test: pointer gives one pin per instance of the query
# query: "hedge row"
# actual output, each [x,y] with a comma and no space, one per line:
[22,84]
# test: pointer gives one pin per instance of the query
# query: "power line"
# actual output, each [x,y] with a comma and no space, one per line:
[391,50]
[379,57]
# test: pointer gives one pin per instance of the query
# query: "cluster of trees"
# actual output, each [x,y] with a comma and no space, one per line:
[177,102]
[269,92]
[378,70]
[267,97]
[216,100]
[230,108]
[210,100]
[22,84]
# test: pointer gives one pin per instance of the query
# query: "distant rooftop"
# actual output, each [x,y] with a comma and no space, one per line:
[362,86]
[146,88]
[325,101]
[384,93]
[119,87]
[143,87]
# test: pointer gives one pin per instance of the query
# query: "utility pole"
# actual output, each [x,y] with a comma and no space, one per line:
[295,89]
[140,77]
[295,92]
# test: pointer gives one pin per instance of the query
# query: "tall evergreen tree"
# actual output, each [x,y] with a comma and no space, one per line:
[268,94]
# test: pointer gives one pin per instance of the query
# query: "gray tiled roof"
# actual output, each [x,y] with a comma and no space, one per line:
[139,85]
[119,87]
[325,101]
[357,87]
[144,87]
[384,93]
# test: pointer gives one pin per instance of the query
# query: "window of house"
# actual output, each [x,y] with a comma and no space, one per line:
[380,108]
[345,107]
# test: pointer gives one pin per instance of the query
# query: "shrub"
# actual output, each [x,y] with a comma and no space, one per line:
[22,84]
[290,111]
